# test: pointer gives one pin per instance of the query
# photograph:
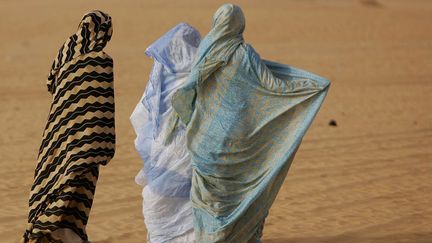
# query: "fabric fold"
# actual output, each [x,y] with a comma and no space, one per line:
[79,135]
[166,175]
[245,120]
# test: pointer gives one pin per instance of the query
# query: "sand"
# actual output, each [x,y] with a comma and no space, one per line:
[369,179]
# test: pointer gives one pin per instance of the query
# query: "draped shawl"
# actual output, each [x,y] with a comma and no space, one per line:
[79,135]
[245,120]
[166,175]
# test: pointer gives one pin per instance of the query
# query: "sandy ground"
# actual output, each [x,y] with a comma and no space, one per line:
[367,180]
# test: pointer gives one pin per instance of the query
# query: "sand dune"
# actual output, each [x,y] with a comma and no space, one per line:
[369,179]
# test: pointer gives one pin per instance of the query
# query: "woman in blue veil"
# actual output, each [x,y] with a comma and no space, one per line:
[245,119]
[166,174]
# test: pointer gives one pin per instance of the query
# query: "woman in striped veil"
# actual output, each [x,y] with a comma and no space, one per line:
[79,135]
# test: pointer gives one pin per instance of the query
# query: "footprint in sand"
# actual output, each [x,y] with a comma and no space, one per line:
[371,3]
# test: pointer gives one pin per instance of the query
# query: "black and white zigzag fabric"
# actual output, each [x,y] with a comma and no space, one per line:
[79,135]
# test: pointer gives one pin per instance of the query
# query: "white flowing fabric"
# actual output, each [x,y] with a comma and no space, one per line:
[166,175]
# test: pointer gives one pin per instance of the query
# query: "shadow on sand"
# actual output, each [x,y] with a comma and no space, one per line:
[420,237]
[371,3]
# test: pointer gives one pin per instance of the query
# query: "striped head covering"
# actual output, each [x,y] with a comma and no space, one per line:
[79,135]
[94,32]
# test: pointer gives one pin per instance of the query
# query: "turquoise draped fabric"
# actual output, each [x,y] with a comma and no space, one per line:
[245,118]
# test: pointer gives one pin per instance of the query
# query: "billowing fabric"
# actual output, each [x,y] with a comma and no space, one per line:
[245,120]
[78,138]
[166,176]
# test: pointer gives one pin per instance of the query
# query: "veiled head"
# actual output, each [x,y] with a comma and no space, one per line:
[95,30]
[229,20]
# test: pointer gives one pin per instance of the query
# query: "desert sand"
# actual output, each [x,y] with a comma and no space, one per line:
[369,179]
